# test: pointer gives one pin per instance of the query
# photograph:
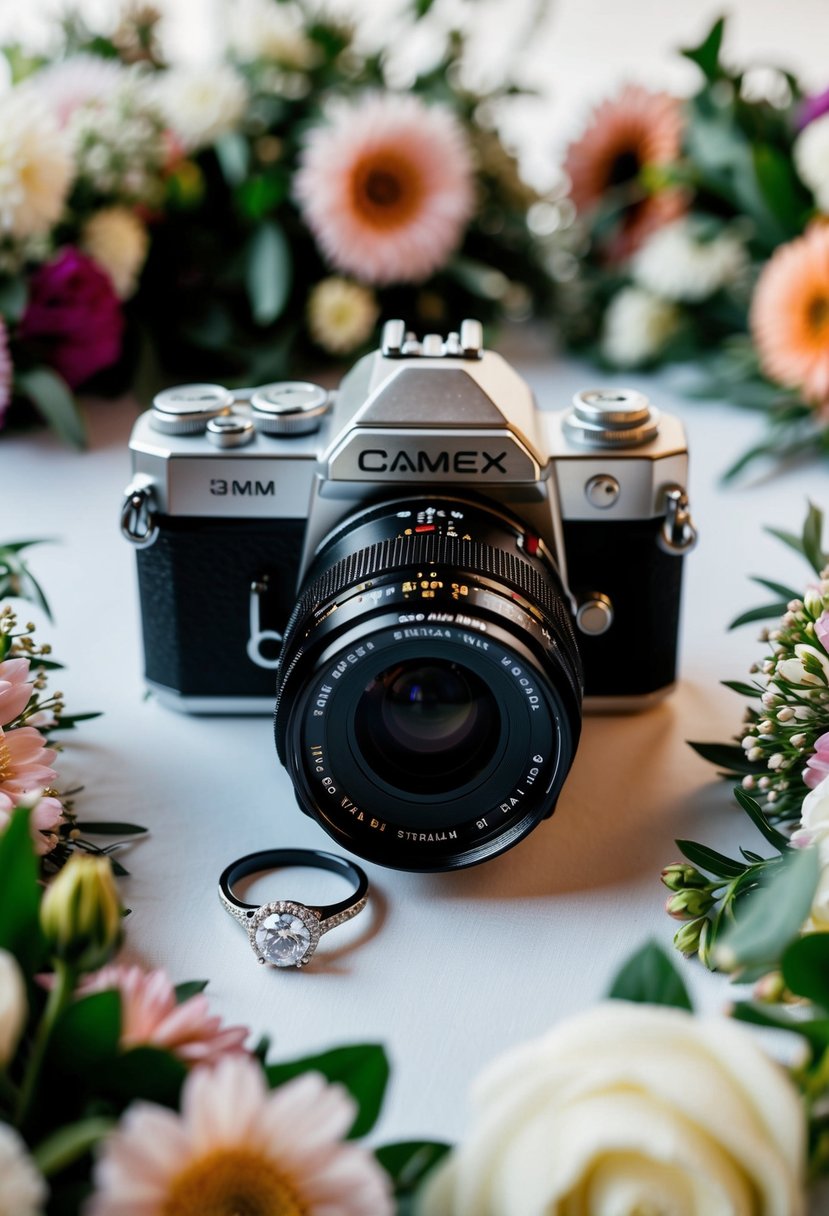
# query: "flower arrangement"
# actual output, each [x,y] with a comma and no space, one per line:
[780,764]
[699,235]
[30,715]
[239,220]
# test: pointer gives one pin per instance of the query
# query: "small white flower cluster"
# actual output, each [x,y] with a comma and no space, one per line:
[262,30]
[795,702]
[121,146]
[200,103]
[637,326]
[35,167]
[679,263]
[341,315]
[811,158]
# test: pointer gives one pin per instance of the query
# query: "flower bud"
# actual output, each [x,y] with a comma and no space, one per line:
[813,602]
[785,714]
[777,760]
[704,947]
[749,782]
[12,1006]
[755,754]
[748,742]
[680,875]
[770,988]
[81,914]
[688,904]
[687,937]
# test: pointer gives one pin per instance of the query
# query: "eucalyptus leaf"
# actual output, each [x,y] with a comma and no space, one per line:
[363,1069]
[233,155]
[14,295]
[709,859]
[268,273]
[765,612]
[805,968]
[650,978]
[755,813]
[771,916]
[53,399]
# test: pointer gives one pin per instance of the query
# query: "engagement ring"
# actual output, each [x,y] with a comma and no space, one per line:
[285,932]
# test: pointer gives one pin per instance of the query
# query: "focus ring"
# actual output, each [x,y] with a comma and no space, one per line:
[432,549]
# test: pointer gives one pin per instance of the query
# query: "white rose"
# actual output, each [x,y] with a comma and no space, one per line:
[23,1191]
[200,102]
[629,1108]
[636,327]
[12,1006]
[678,264]
[814,829]
[811,156]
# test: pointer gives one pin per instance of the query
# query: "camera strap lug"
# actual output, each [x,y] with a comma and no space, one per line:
[138,521]
[678,534]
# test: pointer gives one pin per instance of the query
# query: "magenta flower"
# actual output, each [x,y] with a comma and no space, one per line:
[817,766]
[6,373]
[813,107]
[73,317]
[150,1014]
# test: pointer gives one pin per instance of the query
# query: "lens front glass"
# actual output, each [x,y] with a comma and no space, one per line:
[427,725]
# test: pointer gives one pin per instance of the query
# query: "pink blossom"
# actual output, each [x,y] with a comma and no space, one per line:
[822,630]
[817,766]
[79,81]
[6,373]
[15,689]
[24,762]
[44,820]
[238,1147]
[150,1014]
[73,319]
[386,187]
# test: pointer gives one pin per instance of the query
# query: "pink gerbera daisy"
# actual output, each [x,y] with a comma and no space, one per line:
[236,1147]
[24,762]
[626,134]
[150,1014]
[386,187]
[15,686]
[790,316]
[44,820]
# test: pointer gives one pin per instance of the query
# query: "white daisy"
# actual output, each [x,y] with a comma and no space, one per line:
[637,326]
[341,315]
[676,263]
[35,166]
[201,102]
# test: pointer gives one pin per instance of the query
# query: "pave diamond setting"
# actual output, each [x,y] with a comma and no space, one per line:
[284,933]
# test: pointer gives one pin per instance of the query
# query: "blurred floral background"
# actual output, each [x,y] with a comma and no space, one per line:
[246,191]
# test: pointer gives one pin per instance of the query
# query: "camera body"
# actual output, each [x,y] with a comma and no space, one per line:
[233,494]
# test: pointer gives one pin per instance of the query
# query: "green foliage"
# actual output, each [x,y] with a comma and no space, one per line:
[17,580]
[268,274]
[19,893]
[362,1069]
[773,916]
[53,399]
[650,978]
[407,1164]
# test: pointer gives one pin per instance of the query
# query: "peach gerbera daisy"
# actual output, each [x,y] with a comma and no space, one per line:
[626,134]
[386,187]
[24,762]
[150,1014]
[15,679]
[790,316]
[236,1147]
[44,820]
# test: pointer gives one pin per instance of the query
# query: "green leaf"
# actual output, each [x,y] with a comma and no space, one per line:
[14,295]
[816,1030]
[805,968]
[786,593]
[148,1074]
[20,893]
[764,613]
[811,539]
[755,813]
[70,721]
[86,1037]
[363,1069]
[779,188]
[93,828]
[189,989]
[53,399]
[269,273]
[70,1143]
[745,690]
[728,756]
[233,155]
[709,859]
[772,916]
[707,55]
[788,538]
[408,1163]
[650,978]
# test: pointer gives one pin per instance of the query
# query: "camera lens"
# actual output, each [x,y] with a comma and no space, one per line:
[427,727]
[429,692]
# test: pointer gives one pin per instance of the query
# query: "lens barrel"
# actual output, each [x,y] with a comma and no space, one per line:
[429,693]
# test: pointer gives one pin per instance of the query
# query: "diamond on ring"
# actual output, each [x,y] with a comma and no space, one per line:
[284,933]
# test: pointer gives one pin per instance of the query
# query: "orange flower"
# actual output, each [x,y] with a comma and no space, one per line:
[790,316]
[626,134]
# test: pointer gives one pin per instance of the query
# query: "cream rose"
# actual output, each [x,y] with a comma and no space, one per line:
[814,830]
[12,1006]
[628,1109]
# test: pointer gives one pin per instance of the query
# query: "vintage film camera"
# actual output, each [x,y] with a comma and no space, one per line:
[429,573]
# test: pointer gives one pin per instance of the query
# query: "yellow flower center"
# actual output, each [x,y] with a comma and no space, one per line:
[5,761]
[387,189]
[232,1182]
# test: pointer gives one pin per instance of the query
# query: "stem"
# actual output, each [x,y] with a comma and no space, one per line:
[8,1092]
[59,997]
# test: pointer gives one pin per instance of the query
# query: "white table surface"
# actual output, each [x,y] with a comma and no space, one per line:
[459,966]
